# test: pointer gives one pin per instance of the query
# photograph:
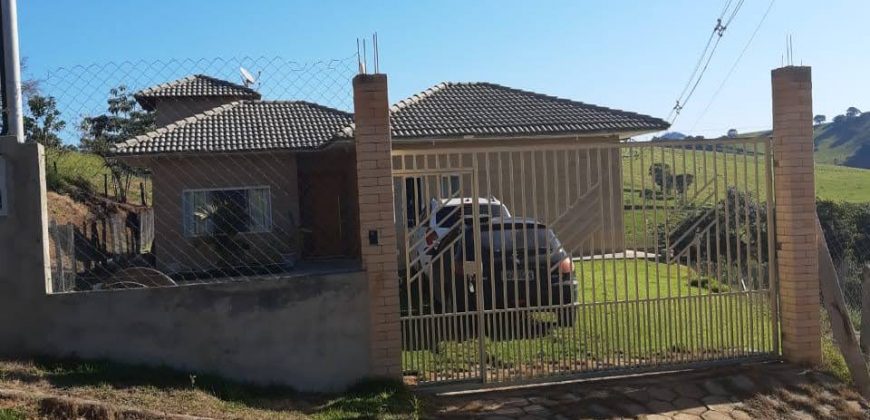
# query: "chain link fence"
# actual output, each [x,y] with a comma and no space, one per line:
[847,232]
[176,171]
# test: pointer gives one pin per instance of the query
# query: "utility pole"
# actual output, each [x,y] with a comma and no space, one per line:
[13,115]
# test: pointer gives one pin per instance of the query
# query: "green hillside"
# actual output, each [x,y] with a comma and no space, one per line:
[844,143]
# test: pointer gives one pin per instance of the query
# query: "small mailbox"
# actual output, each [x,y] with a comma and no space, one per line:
[4,188]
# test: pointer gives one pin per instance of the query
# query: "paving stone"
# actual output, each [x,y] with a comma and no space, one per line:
[498,418]
[659,406]
[536,409]
[601,411]
[531,417]
[516,402]
[740,415]
[743,383]
[568,397]
[656,417]
[543,401]
[632,409]
[717,402]
[689,405]
[509,411]
[714,387]
[715,415]
[640,395]
[597,395]
[686,416]
[663,394]
[689,390]
[475,405]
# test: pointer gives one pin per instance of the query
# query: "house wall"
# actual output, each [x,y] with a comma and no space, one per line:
[577,191]
[170,110]
[172,175]
[309,332]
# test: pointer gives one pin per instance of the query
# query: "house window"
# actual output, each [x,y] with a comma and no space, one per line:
[226,211]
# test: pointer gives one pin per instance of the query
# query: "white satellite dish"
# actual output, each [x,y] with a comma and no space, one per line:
[248,79]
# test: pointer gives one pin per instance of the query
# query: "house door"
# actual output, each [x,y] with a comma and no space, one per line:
[323,204]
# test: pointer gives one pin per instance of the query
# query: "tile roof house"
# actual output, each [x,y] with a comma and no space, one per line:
[216,138]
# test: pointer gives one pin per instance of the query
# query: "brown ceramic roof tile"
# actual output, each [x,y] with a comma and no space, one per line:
[244,126]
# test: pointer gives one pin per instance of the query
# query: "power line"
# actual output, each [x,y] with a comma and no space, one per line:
[705,58]
[736,63]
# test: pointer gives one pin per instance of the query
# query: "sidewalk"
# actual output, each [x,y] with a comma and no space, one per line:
[772,390]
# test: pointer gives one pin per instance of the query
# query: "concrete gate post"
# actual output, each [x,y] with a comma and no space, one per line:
[794,186]
[377,225]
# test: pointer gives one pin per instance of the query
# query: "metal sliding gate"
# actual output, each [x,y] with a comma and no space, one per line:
[522,263]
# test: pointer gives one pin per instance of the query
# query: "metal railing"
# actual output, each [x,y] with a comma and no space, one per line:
[521,262]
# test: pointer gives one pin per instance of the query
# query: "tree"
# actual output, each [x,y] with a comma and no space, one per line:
[839,119]
[732,133]
[44,123]
[852,112]
[662,176]
[820,119]
[682,183]
[29,87]
[123,120]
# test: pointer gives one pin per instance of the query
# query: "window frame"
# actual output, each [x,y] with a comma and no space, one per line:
[187,222]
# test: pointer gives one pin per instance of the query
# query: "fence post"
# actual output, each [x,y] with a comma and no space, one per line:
[795,210]
[376,220]
[865,313]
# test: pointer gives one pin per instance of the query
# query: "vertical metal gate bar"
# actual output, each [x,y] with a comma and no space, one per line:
[773,280]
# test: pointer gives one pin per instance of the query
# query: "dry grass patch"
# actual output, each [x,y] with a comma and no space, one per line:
[169,391]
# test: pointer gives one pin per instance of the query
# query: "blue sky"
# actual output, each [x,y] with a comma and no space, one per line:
[634,55]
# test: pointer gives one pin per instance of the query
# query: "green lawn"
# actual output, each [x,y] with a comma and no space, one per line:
[840,183]
[664,316]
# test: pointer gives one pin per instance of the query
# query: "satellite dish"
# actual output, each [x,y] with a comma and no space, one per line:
[248,79]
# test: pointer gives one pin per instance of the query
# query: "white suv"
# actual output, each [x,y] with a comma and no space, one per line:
[445,216]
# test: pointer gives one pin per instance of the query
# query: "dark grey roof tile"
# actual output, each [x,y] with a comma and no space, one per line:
[487,109]
[244,126]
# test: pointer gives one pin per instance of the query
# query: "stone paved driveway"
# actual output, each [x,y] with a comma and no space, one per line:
[771,390]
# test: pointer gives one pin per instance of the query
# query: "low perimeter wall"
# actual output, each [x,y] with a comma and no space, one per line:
[309,332]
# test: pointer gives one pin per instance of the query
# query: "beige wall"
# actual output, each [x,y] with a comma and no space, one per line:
[172,175]
[170,110]
[567,183]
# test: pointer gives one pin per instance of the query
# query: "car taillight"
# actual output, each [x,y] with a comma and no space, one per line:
[566,266]
[431,237]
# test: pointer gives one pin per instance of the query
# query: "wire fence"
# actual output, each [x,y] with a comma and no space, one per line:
[847,232]
[176,171]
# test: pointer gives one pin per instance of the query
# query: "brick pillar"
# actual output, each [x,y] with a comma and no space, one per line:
[797,252]
[376,220]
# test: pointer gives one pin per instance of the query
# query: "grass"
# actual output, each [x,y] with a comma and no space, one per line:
[622,320]
[80,174]
[11,414]
[840,183]
[169,390]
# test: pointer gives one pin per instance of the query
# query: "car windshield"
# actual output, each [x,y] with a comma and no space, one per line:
[449,215]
